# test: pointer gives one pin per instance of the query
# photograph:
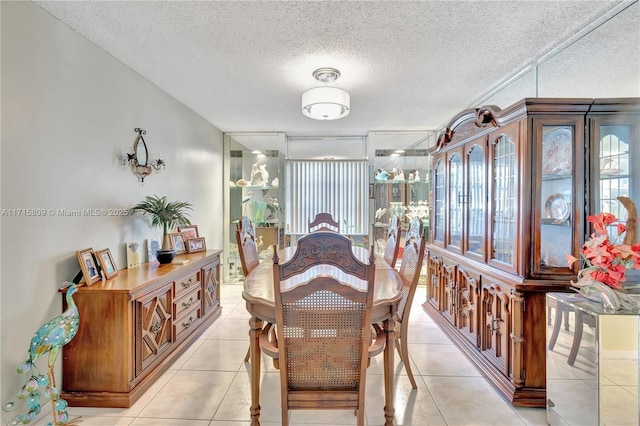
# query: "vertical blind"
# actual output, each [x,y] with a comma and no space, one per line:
[337,187]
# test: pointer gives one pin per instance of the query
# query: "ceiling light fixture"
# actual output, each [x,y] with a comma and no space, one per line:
[326,101]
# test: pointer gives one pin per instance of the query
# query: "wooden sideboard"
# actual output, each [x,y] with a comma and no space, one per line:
[133,326]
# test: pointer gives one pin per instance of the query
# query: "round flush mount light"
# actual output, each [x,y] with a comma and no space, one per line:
[326,101]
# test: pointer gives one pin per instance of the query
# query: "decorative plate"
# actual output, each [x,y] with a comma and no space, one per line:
[557,208]
[557,153]
[609,167]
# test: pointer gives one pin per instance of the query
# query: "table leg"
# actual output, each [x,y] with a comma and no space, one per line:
[389,410]
[255,327]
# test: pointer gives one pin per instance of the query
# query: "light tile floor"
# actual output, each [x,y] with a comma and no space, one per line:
[209,384]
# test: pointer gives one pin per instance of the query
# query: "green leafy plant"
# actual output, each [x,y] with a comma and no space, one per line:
[165,214]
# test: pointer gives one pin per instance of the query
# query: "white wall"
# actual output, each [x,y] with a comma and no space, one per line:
[68,109]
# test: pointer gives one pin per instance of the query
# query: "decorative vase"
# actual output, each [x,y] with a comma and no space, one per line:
[165,256]
[611,299]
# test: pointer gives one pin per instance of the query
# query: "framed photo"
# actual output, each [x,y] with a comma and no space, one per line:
[371,191]
[133,254]
[189,232]
[177,242]
[88,265]
[153,245]
[107,264]
[195,245]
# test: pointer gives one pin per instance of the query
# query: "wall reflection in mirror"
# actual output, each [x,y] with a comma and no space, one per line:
[592,363]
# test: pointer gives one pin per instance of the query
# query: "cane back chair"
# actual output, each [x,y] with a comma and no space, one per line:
[322,343]
[410,268]
[247,247]
[392,248]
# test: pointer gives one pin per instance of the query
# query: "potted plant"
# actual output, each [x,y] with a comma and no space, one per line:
[167,215]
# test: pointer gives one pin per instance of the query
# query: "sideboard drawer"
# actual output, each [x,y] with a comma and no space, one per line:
[187,302]
[183,325]
[184,285]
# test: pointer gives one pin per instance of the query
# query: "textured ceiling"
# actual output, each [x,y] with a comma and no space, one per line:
[408,65]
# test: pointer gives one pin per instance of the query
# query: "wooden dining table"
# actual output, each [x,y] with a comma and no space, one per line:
[259,296]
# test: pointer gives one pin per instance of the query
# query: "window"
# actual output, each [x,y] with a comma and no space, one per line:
[337,187]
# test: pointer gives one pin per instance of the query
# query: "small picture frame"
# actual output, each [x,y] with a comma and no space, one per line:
[107,264]
[153,245]
[133,254]
[195,245]
[87,261]
[177,242]
[190,231]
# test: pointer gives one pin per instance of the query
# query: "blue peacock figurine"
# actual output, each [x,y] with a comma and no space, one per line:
[50,338]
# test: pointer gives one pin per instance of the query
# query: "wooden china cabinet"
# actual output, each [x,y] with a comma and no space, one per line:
[511,192]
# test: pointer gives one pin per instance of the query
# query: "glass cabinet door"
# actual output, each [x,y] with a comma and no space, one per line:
[456,198]
[558,203]
[438,202]
[503,200]
[615,170]
[476,200]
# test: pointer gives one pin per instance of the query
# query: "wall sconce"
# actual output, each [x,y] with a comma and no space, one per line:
[139,161]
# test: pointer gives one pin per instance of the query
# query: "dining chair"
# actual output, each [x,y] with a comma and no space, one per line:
[410,269]
[392,248]
[247,246]
[323,335]
[324,222]
[248,250]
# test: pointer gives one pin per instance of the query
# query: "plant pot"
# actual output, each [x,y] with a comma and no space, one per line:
[165,256]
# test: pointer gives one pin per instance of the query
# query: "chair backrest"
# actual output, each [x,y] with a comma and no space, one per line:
[247,247]
[324,222]
[323,299]
[413,231]
[393,242]
[411,266]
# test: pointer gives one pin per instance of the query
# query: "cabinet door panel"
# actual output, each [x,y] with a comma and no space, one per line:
[469,315]
[455,202]
[211,287]
[449,292]
[434,288]
[497,324]
[153,326]
[504,199]
[439,175]
[559,204]
[475,200]
[616,170]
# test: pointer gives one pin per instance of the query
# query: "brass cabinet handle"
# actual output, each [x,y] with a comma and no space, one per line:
[187,304]
[187,324]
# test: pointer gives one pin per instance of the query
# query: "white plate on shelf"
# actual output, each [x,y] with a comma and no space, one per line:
[557,152]
[609,167]
[557,208]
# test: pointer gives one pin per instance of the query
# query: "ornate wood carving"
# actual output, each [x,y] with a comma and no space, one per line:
[468,309]
[326,248]
[497,325]
[517,336]
[211,283]
[156,326]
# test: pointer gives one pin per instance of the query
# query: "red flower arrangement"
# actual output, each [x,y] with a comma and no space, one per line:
[607,261]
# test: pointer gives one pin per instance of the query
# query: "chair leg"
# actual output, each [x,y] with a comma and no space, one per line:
[404,354]
[557,321]
[577,337]
[248,355]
